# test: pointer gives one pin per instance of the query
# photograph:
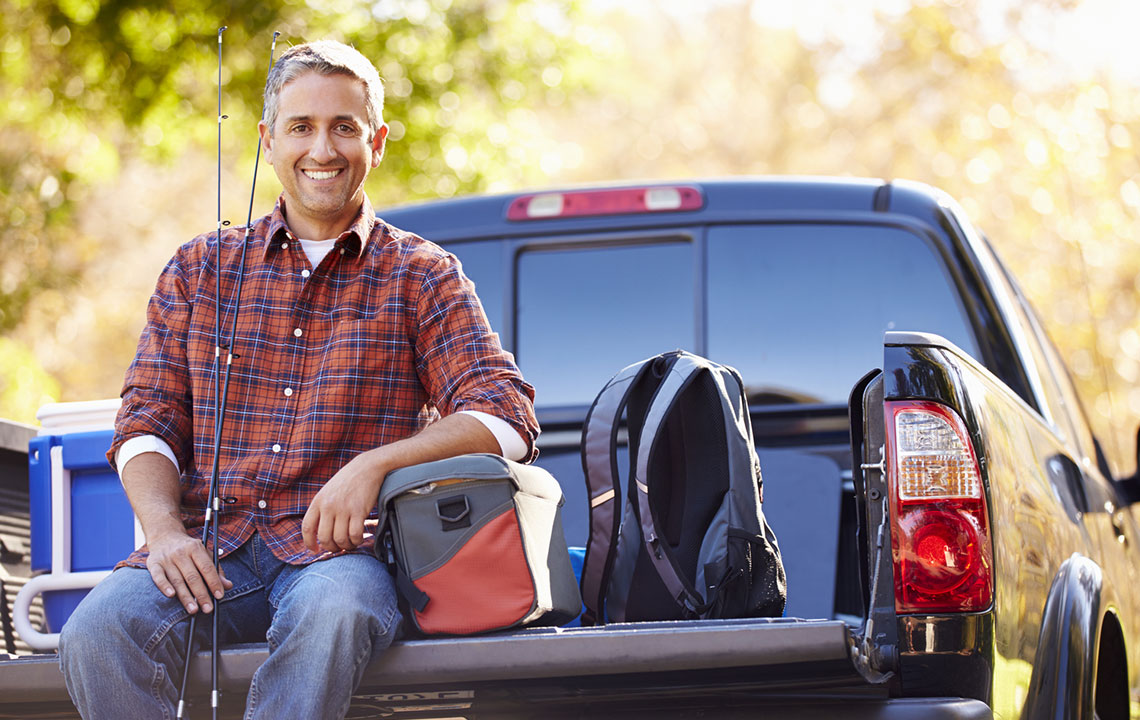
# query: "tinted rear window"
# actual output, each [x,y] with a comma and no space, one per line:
[585,313]
[800,310]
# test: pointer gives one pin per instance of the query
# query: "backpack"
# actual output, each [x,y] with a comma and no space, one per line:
[691,541]
[476,544]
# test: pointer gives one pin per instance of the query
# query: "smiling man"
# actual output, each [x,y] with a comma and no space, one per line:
[360,349]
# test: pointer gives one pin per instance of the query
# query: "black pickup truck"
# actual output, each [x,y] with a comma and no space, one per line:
[957,543]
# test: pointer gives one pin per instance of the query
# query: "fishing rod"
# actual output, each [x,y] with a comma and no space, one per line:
[221,391]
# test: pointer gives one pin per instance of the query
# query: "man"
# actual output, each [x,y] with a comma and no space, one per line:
[353,339]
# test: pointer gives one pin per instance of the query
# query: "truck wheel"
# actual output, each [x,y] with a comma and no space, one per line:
[1110,687]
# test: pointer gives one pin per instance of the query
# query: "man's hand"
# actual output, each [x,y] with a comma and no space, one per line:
[180,565]
[335,519]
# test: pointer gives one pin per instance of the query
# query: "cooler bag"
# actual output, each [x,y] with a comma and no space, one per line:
[476,545]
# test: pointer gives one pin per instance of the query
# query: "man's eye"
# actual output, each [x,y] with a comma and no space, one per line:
[346,128]
[299,128]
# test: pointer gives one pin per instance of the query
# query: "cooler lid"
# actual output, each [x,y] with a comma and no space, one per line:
[71,417]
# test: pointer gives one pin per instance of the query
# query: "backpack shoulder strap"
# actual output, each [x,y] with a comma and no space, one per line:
[682,372]
[603,487]
[744,465]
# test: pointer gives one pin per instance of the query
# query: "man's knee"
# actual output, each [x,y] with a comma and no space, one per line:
[345,610]
[117,610]
[344,601]
[74,636]
[90,629]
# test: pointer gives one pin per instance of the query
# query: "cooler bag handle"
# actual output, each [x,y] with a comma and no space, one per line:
[453,512]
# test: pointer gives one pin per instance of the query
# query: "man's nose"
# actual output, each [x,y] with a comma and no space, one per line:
[322,149]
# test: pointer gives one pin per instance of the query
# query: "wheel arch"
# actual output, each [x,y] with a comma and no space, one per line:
[1064,668]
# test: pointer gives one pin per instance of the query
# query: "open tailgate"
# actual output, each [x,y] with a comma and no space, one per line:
[681,662]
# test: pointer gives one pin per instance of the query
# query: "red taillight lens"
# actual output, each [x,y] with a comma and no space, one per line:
[940,534]
[618,201]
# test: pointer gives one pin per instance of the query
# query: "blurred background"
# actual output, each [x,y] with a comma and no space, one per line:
[1027,111]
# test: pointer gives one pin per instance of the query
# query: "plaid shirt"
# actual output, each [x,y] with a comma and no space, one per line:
[368,348]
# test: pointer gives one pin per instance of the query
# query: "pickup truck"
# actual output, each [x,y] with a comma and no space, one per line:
[957,542]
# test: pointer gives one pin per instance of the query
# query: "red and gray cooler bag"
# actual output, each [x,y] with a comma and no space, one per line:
[476,545]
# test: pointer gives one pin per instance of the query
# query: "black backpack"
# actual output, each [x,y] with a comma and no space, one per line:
[691,540]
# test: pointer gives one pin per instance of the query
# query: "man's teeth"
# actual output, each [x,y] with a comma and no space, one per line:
[322,174]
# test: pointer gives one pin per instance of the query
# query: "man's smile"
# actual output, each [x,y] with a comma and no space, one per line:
[322,174]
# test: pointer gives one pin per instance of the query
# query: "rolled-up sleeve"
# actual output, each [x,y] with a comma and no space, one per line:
[156,392]
[459,359]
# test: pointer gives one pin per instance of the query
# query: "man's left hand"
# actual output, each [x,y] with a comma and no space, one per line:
[335,519]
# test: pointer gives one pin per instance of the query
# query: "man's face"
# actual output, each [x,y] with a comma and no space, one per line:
[322,151]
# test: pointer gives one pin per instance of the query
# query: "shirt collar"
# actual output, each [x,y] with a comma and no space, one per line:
[355,239]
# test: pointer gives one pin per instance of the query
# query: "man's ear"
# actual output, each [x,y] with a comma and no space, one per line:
[266,141]
[378,144]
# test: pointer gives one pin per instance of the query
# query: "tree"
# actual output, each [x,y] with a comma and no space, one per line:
[99,97]
[1044,162]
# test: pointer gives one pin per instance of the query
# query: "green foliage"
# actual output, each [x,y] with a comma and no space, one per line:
[109,129]
[950,92]
[92,83]
[24,385]
[88,87]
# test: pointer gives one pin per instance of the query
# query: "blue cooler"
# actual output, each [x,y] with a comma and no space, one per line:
[91,526]
[577,557]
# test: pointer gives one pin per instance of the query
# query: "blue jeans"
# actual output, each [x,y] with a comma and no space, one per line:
[122,649]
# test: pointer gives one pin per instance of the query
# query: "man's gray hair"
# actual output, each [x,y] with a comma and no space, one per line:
[325,57]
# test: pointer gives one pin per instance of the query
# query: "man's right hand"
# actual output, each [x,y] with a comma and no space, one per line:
[180,565]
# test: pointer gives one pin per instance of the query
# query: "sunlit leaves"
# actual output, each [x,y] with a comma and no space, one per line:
[964,95]
[88,87]
[24,385]
[488,95]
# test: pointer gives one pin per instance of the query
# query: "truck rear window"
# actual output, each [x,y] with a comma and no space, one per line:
[583,313]
[800,310]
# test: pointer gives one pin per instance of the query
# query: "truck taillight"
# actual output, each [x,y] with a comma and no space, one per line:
[940,531]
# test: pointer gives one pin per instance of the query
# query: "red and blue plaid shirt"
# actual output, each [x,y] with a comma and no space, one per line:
[370,347]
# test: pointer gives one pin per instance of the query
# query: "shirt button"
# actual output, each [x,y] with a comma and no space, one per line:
[288,392]
[297,332]
[220,551]
[284,246]
[276,448]
[342,251]
[262,504]
[305,273]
